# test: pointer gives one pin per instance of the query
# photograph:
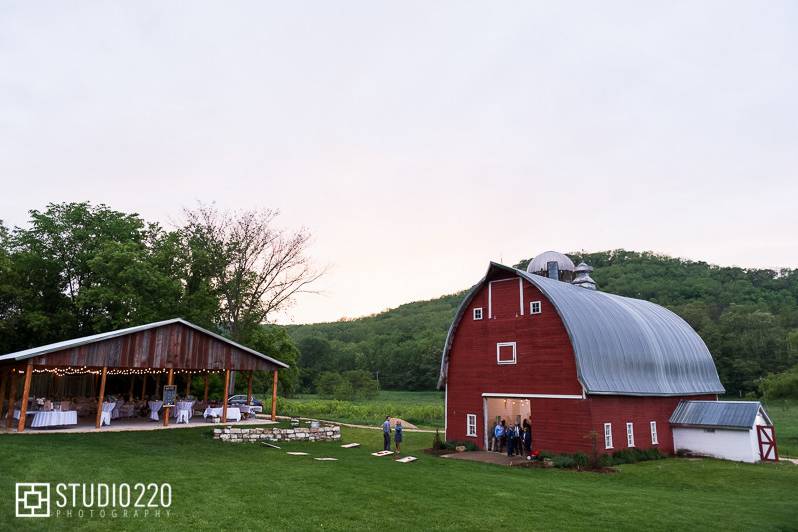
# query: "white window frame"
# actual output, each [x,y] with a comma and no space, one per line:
[608,435]
[630,434]
[532,307]
[654,436]
[471,425]
[478,310]
[499,346]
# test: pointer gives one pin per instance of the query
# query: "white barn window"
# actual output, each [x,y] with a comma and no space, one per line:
[608,435]
[630,434]
[534,307]
[505,353]
[654,440]
[478,313]
[471,424]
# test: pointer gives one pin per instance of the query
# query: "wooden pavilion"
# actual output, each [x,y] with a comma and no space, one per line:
[172,347]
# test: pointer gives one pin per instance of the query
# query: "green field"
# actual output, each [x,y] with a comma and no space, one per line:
[222,486]
[424,409]
[784,414]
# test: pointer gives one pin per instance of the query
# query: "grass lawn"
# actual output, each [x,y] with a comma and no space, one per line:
[784,413]
[224,486]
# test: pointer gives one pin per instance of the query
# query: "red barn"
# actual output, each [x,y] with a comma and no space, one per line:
[546,346]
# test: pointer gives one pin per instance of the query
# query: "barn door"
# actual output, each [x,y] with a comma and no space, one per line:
[767,443]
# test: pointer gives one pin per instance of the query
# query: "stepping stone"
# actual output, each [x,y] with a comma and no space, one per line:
[350,445]
[293,453]
[407,459]
[382,453]
[326,459]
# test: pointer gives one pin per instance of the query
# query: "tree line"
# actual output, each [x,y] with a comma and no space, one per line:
[748,318]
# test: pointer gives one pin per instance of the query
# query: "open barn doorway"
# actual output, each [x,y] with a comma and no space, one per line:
[510,409]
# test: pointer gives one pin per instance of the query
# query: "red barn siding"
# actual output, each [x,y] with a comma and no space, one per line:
[640,411]
[544,356]
[175,345]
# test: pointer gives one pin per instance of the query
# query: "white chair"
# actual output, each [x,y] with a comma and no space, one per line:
[105,416]
[182,415]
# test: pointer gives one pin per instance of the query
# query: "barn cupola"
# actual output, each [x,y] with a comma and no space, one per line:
[583,278]
[553,265]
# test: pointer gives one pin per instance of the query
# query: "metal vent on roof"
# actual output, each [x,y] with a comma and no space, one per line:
[583,279]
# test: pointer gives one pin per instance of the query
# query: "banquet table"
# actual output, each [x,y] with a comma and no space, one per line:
[232,413]
[184,405]
[54,418]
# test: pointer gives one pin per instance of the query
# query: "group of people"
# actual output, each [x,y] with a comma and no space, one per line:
[515,439]
[386,434]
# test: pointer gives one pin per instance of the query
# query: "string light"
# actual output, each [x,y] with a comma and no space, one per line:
[84,370]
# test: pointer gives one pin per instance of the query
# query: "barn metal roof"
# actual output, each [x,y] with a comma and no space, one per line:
[623,346]
[739,415]
[76,342]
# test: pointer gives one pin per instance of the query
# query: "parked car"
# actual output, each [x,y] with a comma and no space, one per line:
[235,400]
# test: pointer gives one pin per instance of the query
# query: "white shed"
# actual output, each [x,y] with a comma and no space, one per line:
[732,430]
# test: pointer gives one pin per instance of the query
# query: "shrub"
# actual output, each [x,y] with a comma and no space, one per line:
[782,385]
[581,460]
[343,391]
[453,444]
[563,460]
[327,382]
[363,384]
[437,442]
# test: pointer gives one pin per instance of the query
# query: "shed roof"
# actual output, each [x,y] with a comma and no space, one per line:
[76,342]
[738,415]
[623,346]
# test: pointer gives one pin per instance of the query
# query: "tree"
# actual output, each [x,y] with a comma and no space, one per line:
[328,382]
[273,341]
[255,267]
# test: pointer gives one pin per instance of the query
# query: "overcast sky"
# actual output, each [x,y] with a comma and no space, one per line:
[416,141]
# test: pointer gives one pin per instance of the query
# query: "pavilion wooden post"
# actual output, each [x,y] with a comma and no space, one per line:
[274,397]
[143,386]
[206,388]
[12,398]
[224,397]
[23,407]
[188,384]
[249,388]
[3,383]
[101,397]
[167,410]
[132,384]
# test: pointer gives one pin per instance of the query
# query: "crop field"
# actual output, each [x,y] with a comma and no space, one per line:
[424,409]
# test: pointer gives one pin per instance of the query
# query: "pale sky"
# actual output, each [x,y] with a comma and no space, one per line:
[416,140]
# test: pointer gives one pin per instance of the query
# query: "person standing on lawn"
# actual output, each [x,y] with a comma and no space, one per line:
[397,436]
[386,434]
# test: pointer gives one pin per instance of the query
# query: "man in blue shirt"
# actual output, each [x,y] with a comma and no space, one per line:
[498,434]
[386,434]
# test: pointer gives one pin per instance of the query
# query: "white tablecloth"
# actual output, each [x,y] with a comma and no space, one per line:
[54,418]
[184,405]
[27,413]
[232,412]
[155,406]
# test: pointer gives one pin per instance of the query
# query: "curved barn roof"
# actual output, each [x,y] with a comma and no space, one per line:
[623,346]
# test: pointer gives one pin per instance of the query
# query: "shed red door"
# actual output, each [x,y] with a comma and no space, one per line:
[767,443]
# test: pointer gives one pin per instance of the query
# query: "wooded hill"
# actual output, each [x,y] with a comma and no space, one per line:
[747,317]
